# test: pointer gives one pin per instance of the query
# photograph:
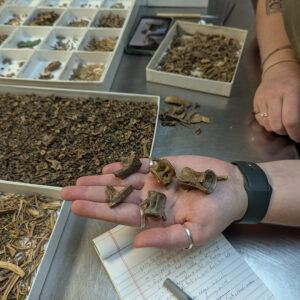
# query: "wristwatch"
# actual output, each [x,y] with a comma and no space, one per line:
[258,189]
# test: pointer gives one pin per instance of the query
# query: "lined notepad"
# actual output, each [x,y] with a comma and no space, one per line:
[213,271]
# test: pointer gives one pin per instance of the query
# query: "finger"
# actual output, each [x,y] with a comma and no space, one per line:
[261,119]
[95,194]
[291,117]
[111,168]
[136,180]
[171,237]
[275,116]
[125,214]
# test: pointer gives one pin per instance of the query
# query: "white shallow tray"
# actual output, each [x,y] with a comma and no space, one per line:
[190,82]
[68,11]
[50,248]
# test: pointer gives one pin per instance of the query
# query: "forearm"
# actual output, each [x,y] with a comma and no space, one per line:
[284,177]
[271,32]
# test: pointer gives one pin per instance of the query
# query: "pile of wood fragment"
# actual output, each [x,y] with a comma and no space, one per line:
[179,113]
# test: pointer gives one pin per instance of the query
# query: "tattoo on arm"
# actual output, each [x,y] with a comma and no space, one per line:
[273,6]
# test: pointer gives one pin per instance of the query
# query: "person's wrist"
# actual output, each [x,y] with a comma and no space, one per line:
[242,197]
[281,70]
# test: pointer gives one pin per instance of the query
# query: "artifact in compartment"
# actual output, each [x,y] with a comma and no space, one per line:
[154,205]
[130,165]
[28,44]
[105,44]
[208,56]
[87,72]
[163,171]
[26,224]
[118,5]
[111,20]
[53,66]
[64,44]
[204,181]
[3,37]
[53,140]
[115,197]
[14,20]
[46,18]
[79,23]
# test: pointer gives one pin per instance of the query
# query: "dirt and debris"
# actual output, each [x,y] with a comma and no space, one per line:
[53,66]
[87,72]
[15,20]
[3,37]
[54,140]
[26,224]
[208,56]
[118,5]
[46,18]
[104,44]
[79,23]
[64,44]
[111,20]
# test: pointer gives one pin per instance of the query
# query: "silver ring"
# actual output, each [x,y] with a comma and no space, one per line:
[264,115]
[188,232]
[151,162]
[143,223]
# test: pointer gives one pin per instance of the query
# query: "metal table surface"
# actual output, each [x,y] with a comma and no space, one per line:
[273,252]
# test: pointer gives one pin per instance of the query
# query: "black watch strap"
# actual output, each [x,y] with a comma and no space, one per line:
[258,189]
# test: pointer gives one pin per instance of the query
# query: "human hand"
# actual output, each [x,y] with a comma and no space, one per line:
[206,215]
[278,95]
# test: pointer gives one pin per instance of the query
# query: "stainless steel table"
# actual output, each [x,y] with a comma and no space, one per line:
[272,251]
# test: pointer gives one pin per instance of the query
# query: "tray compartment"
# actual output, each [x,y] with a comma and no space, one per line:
[121,14]
[63,39]
[55,3]
[77,17]
[90,60]
[25,34]
[5,32]
[40,60]
[14,16]
[33,19]
[12,62]
[39,275]
[31,3]
[86,3]
[99,35]
[191,82]
[116,4]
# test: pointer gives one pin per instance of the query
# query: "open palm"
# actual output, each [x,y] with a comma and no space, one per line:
[205,215]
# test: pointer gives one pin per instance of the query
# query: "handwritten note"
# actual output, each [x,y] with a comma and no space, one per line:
[214,271]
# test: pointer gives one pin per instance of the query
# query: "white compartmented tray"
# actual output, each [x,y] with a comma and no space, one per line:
[50,247]
[74,38]
[190,82]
